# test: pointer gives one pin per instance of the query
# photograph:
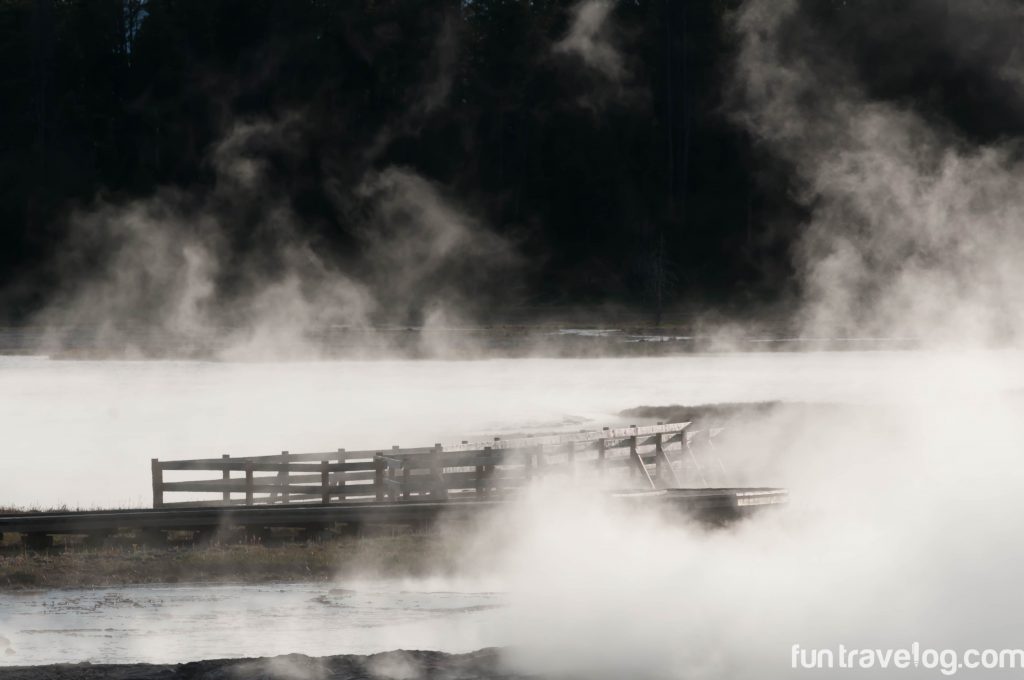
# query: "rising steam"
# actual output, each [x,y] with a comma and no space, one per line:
[904,501]
[232,273]
[588,39]
[591,46]
[915,231]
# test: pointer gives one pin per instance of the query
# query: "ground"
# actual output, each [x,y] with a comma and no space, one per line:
[80,566]
[485,664]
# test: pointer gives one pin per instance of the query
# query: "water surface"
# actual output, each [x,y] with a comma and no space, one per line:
[101,421]
[169,624]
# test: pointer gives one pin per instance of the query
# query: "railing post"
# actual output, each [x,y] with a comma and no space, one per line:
[406,478]
[378,476]
[325,482]
[393,486]
[284,477]
[639,461]
[601,456]
[249,483]
[658,455]
[340,475]
[666,474]
[226,476]
[394,493]
[693,457]
[483,474]
[437,472]
[633,455]
[158,483]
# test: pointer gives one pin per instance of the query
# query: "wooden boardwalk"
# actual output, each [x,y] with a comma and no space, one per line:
[38,528]
[650,457]
[412,486]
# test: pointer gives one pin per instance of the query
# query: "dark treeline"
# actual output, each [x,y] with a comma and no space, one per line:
[617,172]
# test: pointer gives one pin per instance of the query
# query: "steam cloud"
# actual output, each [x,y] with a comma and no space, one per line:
[176,270]
[892,537]
[590,45]
[232,272]
[903,504]
[588,39]
[915,231]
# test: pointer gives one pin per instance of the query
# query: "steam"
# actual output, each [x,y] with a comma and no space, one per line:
[588,39]
[915,231]
[232,273]
[591,47]
[431,96]
[898,532]
[904,499]
[418,242]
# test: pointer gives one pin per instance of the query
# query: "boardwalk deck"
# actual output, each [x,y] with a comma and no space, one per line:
[712,503]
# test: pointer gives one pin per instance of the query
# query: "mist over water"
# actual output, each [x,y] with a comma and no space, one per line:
[902,469]
[107,419]
[913,227]
[900,529]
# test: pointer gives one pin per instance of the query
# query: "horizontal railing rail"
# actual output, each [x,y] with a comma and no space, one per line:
[654,456]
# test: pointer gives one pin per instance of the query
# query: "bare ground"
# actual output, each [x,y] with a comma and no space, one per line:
[485,664]
[79,566]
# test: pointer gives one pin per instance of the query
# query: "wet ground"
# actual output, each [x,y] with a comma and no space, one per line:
[170,624]
[482,665]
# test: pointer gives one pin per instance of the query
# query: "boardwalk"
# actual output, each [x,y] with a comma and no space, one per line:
[650,457]
[412,486]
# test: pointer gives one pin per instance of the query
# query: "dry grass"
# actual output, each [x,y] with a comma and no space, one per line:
[77,566]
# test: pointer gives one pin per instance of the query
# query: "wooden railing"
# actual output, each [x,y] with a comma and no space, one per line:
[653,456]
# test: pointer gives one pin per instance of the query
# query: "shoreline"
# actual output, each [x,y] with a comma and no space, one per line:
[483,664]
[558,341]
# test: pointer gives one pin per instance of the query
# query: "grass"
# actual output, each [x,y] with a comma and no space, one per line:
[78,566]
[64,507]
